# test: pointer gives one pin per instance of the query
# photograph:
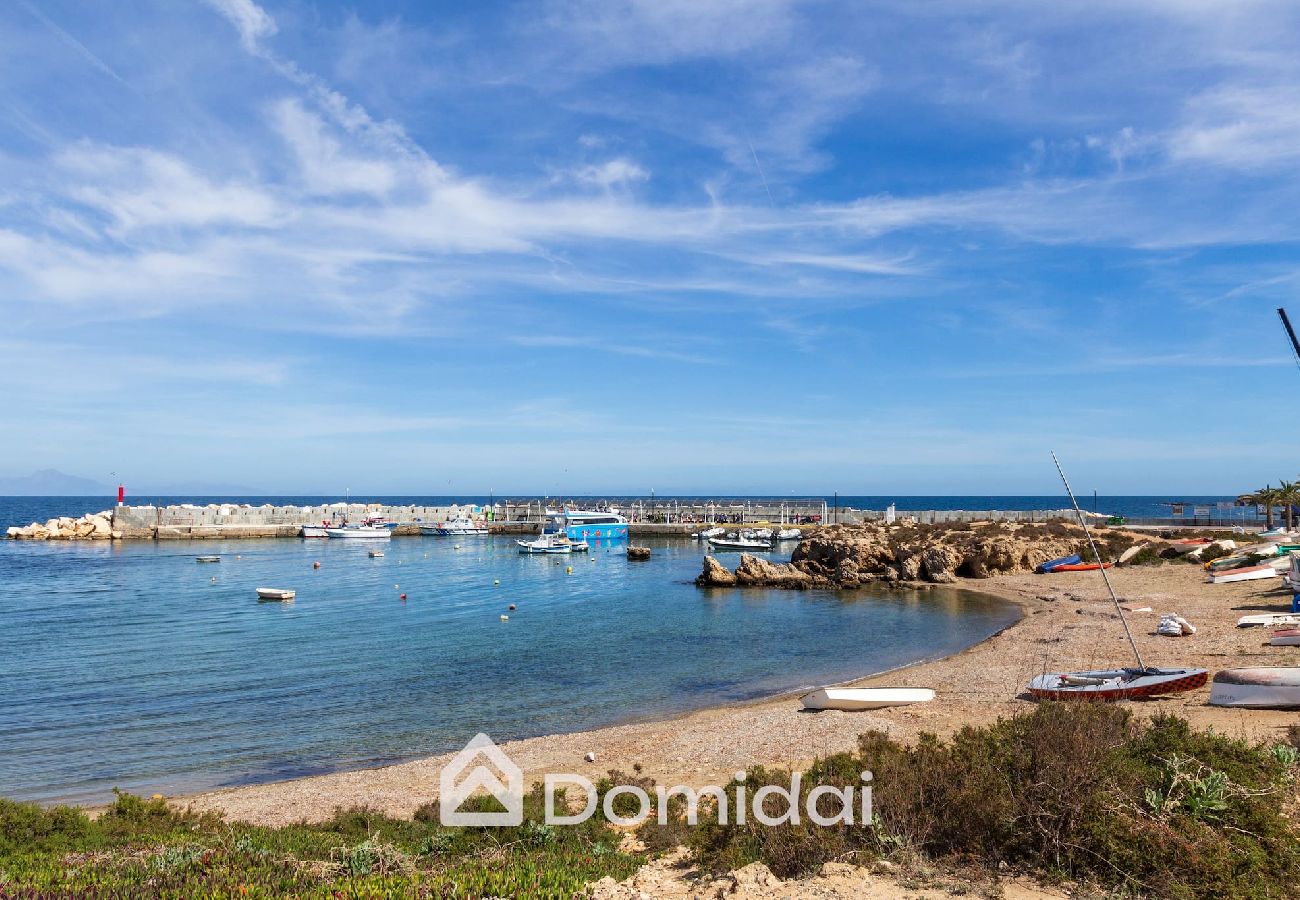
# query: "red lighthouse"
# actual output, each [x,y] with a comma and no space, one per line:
[121,495]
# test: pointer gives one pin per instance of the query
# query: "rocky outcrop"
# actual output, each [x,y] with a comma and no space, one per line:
[638,552]
[715,574]
[90,527]
[850,556]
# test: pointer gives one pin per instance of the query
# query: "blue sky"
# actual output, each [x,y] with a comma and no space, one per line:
[753,246]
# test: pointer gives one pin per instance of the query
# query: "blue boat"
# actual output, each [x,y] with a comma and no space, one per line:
[588,525]
[1052,564]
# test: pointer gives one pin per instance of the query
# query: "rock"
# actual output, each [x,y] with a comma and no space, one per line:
[590,757]
[638,552]
[755,570]
[715,574]
[103,525]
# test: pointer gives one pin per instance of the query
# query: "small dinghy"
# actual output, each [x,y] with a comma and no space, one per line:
[1081,567]
[1141,680]
[1052,564]
[275,594]
[1246,573]
[1257,687]
[207,559]
[376,554]
[1285,637]
[739,544]
[789,534]
[1116,684]
[852,699]
[1268,619]
[1189,545]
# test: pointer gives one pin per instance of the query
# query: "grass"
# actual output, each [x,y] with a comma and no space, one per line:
[1068,792]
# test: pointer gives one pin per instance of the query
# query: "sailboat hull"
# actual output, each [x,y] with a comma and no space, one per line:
[1116,684]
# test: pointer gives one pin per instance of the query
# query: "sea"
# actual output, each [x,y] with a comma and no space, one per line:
[131,665]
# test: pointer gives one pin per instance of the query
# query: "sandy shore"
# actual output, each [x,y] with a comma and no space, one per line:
[1069,623]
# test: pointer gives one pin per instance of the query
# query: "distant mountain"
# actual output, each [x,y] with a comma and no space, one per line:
[53,483]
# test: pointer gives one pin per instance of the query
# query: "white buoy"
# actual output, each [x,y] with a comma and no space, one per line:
[590,757]
[496,582]
[505,618]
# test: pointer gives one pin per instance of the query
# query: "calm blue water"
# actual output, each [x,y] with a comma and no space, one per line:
[24,510]
[124,664]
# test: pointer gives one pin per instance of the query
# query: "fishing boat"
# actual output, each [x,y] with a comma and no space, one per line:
[549,542]
[1051,564]
[853,699]
[1120,683]
[1257,687]
[739,543]
[1275,619]
[279,594]
[1246,573]
[1285,637]
[207,559]
[314,531]
[367,532]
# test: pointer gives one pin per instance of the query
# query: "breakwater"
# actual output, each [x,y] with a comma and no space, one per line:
[186,521]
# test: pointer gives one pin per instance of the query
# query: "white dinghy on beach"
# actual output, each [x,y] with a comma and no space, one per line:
[1257,687]
[854,699]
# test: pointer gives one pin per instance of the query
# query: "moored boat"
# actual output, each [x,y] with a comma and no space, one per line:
[1257,687]
[739,544]
[789,534]
[457,527]
[708,533]
[275,594]
[361,532]
[314,531]
[590,525]
[852,699]
[207,559]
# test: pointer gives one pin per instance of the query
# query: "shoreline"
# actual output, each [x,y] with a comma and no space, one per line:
[1068,616]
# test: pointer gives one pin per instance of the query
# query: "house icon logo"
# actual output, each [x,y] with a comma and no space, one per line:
[453,789]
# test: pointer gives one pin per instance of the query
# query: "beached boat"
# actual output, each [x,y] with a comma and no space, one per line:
[360,532]
[853,699]
[1257,687]
[743,544]
[789,534]
[1190,544]
[1258,619]
[275,594]
[1247,573]
[1080,567]
[1116,684]
[1121,683]
[207,559]
[314,531]
[1285,637]
[1051,564]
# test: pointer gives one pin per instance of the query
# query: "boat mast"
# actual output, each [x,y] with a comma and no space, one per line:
[1084,522]
[1290,332]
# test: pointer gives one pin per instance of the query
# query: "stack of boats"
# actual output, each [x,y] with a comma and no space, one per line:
[1251,563]
[758,540]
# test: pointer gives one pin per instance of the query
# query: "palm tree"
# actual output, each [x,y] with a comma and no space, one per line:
[1266,497]
[1288,494]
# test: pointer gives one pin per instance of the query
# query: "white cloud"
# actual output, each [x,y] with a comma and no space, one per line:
[251,21]
[611,173]
[1241,126]
[325,167]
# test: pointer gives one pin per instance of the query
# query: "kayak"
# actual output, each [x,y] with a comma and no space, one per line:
[1083,567]
[1053,564]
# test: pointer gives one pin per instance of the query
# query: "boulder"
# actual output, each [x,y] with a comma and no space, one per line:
[938,564]
[715,574]
[756,570]
[638,552]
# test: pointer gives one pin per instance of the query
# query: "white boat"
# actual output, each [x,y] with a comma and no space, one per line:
[550,542]
[739,544]
[708,533]
[865,698]
[762,534]
[789,534]
[1285,637]
[207,559]
[1257,687]
[1268,619]
[376,554]
[455,527]
[275,594]
[1249,573]
[361,532]
[314,531]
